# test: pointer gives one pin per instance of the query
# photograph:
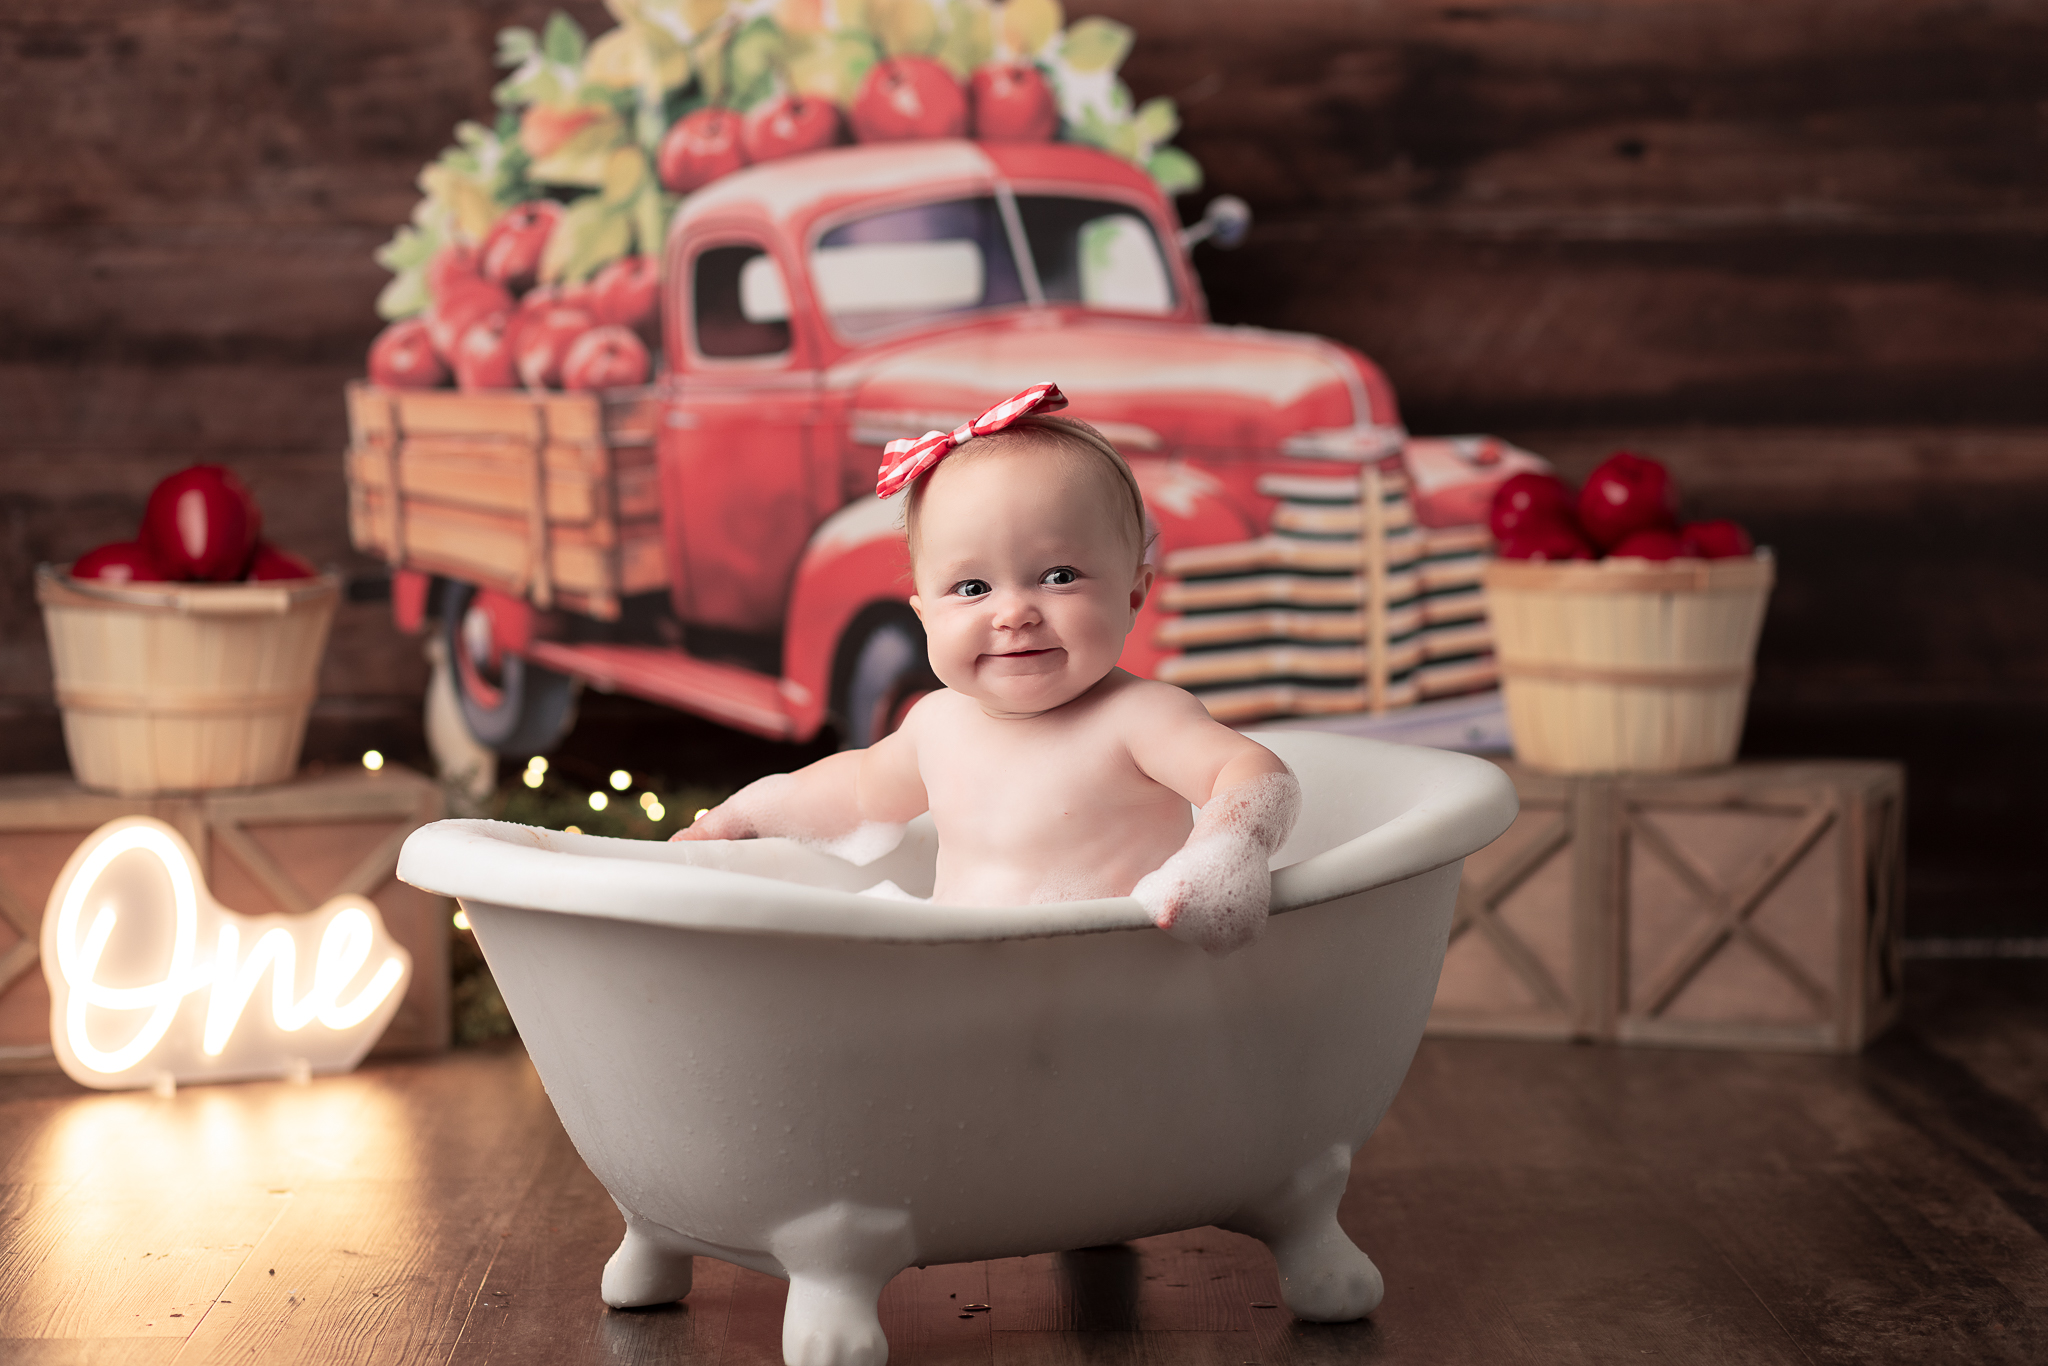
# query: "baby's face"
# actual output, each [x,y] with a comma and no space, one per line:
[1026,582]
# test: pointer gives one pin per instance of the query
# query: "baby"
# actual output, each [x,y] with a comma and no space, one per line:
[1051,774]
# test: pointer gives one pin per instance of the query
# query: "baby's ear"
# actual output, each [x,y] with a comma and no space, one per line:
[917,606]
[1142,587]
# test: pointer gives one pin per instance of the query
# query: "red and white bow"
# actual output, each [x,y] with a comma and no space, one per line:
[904,460]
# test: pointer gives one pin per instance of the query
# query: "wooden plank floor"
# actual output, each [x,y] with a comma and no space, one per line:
[1527,1202]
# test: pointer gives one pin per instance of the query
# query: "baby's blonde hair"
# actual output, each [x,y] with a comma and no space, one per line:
[1065,433]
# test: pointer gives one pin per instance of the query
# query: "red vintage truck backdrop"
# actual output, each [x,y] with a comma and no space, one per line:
[1791,249]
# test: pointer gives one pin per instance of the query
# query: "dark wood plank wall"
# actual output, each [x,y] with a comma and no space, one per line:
[1795,249]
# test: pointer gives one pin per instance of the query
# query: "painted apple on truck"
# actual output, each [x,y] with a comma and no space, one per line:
[714,543]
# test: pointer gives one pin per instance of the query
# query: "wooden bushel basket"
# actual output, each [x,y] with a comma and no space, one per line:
[180,687]
[1627,665]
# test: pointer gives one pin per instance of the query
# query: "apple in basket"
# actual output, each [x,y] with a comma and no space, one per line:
[1013,103]
[701,147]
[1627,493]
[1654,544]
[1545,541]
[119,562]
[511,251]
[909,97]
[1528,500]
[469,301]
[271,563]
[605,358]
[1716,540]
[201,523]
[404,357]
[789,124]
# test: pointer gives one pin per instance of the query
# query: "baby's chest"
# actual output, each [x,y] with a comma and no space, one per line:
[1034,780]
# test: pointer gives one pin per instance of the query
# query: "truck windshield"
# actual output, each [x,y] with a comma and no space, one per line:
[879,273]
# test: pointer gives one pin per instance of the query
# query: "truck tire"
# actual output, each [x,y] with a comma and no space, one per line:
[890,671]
[512,705]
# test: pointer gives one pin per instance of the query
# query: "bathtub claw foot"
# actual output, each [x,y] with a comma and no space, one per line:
[645,1270]
[1324,1278]
[838,1259]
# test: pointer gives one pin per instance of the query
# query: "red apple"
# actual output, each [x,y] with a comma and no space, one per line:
[512,249]
[1653,544]
[1716,540]
[605,358]
[403,357]
[453,314]
[201,523]
[627,293]
[789,124]
[701,147]
[541,344]
[119,562]
[1626,493]
[453,267]
[1013,103]
[1545,541]
[1527,499]
[483,358]
[271,563]
[543,128]
[909,97]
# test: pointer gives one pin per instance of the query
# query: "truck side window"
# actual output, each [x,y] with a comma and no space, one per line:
[890,269]
[740,302]
[1097,254]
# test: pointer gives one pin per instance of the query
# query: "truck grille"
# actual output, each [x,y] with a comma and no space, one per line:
[1347,604]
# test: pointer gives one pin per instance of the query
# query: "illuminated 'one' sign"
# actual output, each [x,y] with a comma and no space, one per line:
[150,977]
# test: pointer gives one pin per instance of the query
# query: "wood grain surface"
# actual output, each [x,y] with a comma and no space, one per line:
[1527,1203]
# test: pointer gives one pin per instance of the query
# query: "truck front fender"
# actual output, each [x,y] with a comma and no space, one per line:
[855,559]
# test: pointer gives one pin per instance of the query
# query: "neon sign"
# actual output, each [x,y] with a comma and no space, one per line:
[125,947]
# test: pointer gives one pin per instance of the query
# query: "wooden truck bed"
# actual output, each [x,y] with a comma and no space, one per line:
[551,497]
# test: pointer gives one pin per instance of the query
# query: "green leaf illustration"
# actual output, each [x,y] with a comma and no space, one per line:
[1095,44]
[563,40]
[1156,121]
[969,40]
[1174,170]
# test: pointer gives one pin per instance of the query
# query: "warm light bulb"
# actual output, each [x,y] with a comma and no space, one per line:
[533,777]
[621,780]
[572,829]
[655,812]
[648,799]
[372,760]
[598,800]
[702,812]
[461,920]
[536,764]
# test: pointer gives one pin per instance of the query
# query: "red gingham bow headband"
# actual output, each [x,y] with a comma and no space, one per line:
[904,460]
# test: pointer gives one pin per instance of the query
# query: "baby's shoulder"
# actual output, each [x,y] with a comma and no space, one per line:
[1132,697]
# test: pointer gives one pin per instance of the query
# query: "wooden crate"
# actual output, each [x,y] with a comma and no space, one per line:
[552,497]
[283,848]
[1756,906]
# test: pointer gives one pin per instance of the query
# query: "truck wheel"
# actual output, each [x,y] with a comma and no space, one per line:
[890,672]
[510,704]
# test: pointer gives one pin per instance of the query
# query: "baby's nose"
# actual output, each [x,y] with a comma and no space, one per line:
[1014,609]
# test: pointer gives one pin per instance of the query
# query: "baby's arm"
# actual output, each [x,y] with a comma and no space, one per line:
[853,804]
[1215,891]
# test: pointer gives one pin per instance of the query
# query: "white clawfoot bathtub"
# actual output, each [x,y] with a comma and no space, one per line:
[761,1066]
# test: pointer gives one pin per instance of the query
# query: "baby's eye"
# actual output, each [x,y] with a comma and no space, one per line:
[1060,576]
[970,588]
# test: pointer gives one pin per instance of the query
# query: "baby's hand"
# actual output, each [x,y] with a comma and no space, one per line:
[1216,891]
[747,814]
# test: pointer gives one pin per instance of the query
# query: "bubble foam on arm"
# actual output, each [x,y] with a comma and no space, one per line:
[1216,891]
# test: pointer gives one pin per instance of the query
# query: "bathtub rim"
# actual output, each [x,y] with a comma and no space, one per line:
[1465,804]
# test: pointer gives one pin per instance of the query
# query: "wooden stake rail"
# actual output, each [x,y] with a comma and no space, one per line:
[552,497]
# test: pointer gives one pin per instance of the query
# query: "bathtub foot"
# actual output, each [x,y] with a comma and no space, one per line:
[838,1259]
[1323,1276]
[647,1269]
